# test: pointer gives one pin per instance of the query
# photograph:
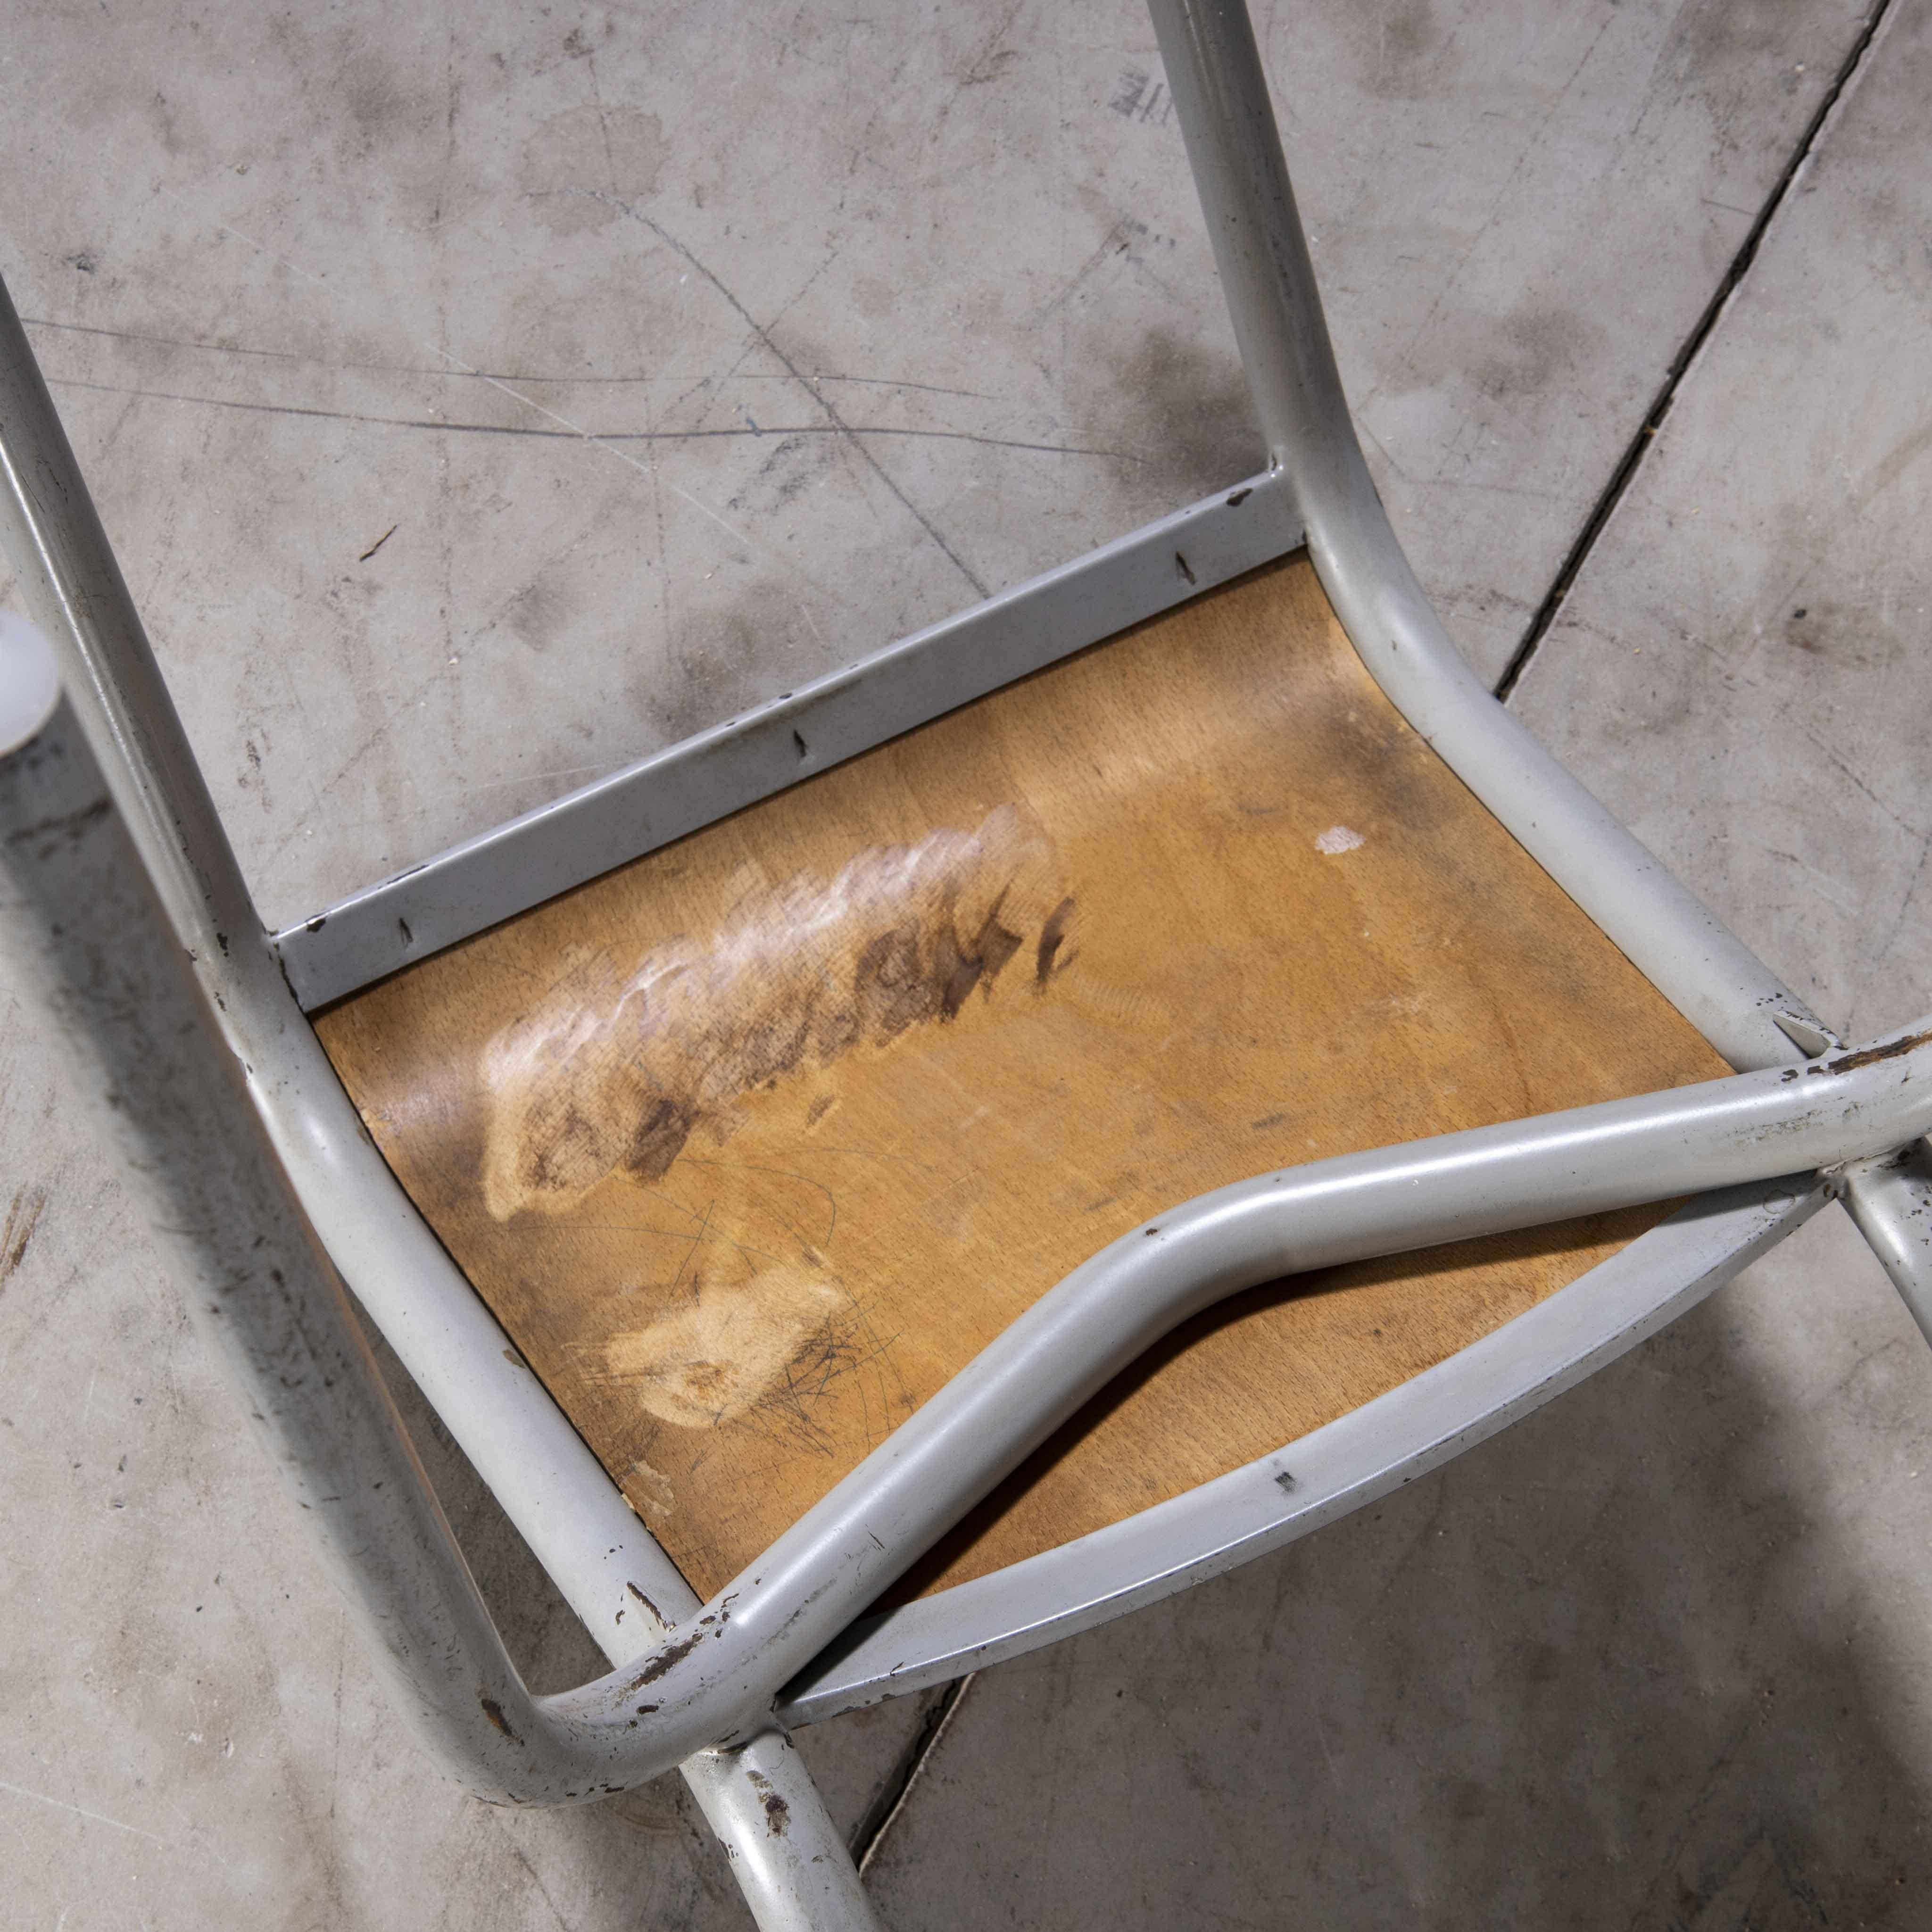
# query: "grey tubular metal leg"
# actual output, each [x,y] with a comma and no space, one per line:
[715,1681]
[1299,1487]
[1220,92]
[130,913]
[79,917]
[1890,1200]
[81,921]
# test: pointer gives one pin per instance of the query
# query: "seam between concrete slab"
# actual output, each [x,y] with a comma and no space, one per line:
[883,1812]
[1639,444]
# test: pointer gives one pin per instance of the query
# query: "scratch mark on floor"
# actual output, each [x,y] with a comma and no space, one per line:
[449,426]
[80,1811]
[572,381]
[23,1219]
[1833,756]
[818,395]
[516,395]
[1884,952]
[516,1852]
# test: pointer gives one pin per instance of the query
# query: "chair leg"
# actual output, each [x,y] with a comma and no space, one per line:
[82,923]
[792,1866]
[1890,1201]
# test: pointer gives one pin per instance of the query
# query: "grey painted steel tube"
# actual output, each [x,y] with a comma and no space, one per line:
[1365,1453]
[1220,89]
[82,929]
[90,947]
[1890,1201]
[519,1441]
[715,1678]
[553,1488]
[1220,92]
[286,1326]
[797,1596]
[721,1669]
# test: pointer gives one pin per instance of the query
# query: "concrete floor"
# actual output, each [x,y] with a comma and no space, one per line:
[680,355]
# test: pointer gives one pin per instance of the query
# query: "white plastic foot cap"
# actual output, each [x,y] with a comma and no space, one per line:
[29,684]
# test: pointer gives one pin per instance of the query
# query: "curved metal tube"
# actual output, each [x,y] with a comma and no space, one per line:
[1890,1202]
[714,1680]
[388,1254]
[262,1064]
[277,1311]
[719,1677]
[1365,1453]
[1214,72]
[87,944]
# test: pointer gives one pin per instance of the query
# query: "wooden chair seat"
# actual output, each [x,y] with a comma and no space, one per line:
[752,1143]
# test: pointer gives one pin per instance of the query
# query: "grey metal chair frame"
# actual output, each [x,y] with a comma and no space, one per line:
[126,911]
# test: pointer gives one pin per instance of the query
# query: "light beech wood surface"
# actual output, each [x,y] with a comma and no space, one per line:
[753,1142]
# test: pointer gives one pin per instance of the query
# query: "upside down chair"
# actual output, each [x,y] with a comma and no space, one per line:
[1023,1124]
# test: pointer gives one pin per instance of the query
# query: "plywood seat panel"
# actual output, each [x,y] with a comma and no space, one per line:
[753,1142]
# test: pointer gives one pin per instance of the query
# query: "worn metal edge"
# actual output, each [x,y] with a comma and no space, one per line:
[674,792]
[1351,1462]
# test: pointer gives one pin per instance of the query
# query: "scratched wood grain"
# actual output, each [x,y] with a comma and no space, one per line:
[753,1143]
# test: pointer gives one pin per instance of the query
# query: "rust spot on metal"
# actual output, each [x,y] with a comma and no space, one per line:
[778,1813]
[493,1712]
[666,1659]
[616,1070]
[647,1603]
[1870,1056]
[1240,497]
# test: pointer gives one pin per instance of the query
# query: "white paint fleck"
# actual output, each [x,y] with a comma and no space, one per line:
[1337,839]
